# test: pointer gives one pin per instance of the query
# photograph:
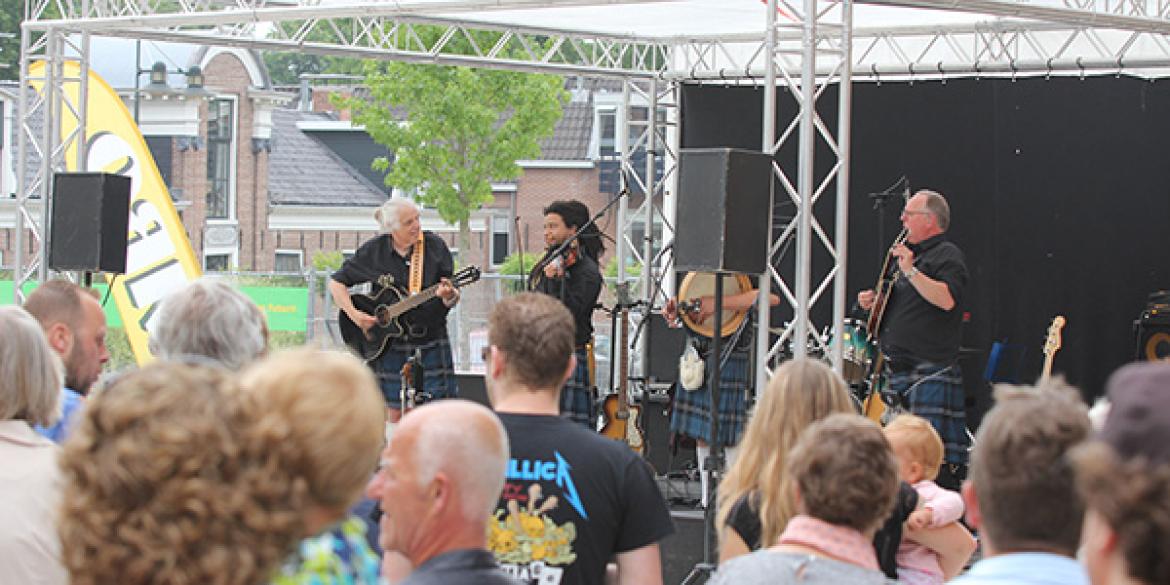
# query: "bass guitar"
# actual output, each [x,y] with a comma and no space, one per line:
[1051,345]
[621,419]
[388,306]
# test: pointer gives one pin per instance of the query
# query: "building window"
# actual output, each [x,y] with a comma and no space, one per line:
[221,125]
[500,240]
[217,262]
[347,254]
[289,261]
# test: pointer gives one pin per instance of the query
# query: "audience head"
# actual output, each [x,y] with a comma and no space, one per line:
[324,410]
[845,473]
[440,479]
[167,481]
[531,337]
[75,327]
[30,372]
[1020,493]
[1124,476]
[210,319]
[917,447]
[800,392]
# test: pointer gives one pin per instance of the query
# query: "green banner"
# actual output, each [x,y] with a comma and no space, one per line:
[287,308]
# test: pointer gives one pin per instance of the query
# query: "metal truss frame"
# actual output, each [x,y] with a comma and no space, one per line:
[800,56]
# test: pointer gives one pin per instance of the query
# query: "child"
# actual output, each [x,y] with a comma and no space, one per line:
[919,452]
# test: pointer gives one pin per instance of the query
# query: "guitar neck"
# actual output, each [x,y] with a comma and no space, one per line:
[413,301]
[1047,370]
[623,367]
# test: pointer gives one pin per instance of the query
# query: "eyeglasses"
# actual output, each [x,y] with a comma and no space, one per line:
[914,212]
[486,353]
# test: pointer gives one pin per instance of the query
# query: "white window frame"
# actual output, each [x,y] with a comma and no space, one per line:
[300,254]
[233,156]
[233,257]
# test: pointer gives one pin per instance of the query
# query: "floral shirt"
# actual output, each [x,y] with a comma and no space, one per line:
[339,556]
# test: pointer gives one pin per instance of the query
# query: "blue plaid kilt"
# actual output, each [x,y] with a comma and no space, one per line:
[935,393]
[577,402]
[438,371]
[691,413]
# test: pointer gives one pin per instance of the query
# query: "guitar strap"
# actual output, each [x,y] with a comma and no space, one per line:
[416,265]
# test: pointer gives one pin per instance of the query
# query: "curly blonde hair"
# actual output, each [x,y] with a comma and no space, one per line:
[167,481]
[801,392]
[917,436]
[325,410]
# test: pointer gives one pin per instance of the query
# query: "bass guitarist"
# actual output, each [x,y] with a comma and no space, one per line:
[405,256]
[920,331]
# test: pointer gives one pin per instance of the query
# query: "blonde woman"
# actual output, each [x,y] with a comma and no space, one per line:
[30,384]
[755,501]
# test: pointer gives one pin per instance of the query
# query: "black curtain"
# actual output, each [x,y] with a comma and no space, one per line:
[1059,191]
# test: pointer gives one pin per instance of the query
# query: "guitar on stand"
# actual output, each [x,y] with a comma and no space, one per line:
[1052,345]
[872,406]
[412,375]
[621,419]
[389,306]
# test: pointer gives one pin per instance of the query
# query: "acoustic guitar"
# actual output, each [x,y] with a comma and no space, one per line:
[622,418]
[1052,345]
[389,306]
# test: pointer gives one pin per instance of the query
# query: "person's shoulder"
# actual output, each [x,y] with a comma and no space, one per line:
[374,243]
[766,566]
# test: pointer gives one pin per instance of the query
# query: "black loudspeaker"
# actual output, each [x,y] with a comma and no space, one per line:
[91,215]
[724,217]
[666,345]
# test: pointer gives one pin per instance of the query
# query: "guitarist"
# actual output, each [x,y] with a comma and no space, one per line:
[401,246]
[575,279]
[921,330]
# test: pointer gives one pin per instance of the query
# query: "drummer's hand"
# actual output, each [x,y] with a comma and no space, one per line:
[670,313]
[865,299]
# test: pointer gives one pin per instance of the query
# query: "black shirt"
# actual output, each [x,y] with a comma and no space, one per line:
[378,256]
[889,536]
[457,567]
[572,499]
[582,285]
[914,330]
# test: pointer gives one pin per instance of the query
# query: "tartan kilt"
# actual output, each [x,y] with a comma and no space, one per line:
[691,412]
[577,403]
[438,370]
[935,393]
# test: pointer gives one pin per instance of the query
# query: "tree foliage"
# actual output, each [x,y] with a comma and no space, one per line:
[286,67]
[454,130]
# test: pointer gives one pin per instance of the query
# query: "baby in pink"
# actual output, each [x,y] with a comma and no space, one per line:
[919,452]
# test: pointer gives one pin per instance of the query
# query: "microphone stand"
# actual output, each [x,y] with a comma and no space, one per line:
[879,204]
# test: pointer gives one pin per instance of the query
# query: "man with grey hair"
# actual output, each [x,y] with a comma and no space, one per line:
[75,327]
[1022,494]
[212,320]
[922,327]
[438,483]
[411,260]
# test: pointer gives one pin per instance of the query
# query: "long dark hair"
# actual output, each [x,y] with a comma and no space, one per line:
[575,215]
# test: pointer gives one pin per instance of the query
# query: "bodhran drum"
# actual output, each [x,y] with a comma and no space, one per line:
[700,284]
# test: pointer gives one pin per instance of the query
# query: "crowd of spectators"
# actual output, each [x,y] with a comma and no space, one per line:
[219,463]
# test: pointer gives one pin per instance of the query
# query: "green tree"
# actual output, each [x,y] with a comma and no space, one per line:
[515,265]
[463,129]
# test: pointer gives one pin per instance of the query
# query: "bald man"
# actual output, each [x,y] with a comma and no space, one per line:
[438,484]
[75,326]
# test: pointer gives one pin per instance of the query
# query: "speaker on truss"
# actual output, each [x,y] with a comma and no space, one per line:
[90,221]
[724,216]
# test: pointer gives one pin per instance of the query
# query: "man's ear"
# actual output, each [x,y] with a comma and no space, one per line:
[496,362]
[60,338]
[441,495]
[569,371]
[971,501]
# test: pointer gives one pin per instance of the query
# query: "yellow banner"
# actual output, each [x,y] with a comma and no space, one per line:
[159,258]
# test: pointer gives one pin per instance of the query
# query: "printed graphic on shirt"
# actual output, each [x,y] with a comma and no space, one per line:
[529,545]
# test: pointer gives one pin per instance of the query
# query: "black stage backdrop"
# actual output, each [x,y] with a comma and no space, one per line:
[1059,191]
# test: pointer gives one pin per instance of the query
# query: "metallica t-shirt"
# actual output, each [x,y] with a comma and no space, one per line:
[572,500]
